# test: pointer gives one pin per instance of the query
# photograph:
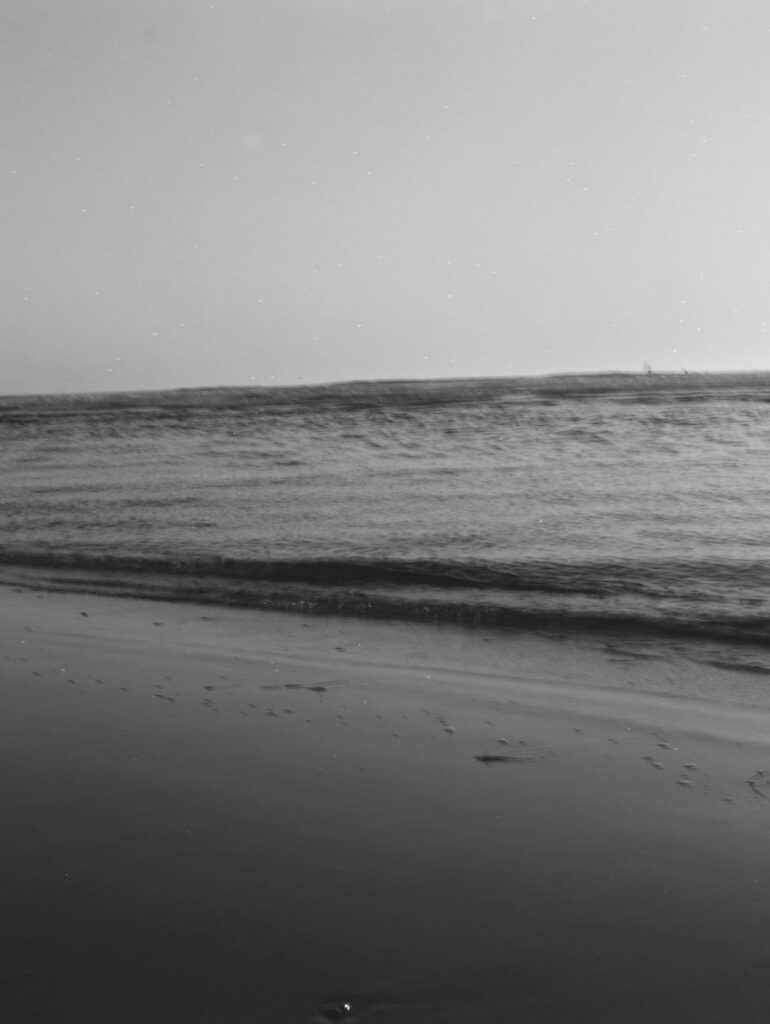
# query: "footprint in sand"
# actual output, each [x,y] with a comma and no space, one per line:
[332,1011]
[529,758]
[652,762]
[314,688]
[757,779]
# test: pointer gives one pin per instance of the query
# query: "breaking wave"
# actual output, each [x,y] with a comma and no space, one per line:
[718,600]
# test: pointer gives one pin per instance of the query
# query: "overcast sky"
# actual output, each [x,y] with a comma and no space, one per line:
[292,191]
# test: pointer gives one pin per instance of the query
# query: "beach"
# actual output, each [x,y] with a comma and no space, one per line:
[220,814]
[384,547]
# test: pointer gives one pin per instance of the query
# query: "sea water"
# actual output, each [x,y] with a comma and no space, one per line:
[618,501]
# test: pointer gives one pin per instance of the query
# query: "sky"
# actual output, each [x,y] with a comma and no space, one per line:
[239,192]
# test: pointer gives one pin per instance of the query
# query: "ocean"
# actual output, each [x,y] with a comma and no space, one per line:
[635,504]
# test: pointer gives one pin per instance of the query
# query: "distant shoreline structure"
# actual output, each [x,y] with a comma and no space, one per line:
[746,384]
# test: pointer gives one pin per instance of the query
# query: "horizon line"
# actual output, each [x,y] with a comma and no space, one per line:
[584,374]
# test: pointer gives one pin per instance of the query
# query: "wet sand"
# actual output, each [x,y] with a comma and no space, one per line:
[236,816]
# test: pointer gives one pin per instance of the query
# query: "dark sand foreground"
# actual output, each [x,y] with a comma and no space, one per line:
[234,816]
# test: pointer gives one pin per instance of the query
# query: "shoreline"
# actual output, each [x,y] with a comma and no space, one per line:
[235,815]
[741,643]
